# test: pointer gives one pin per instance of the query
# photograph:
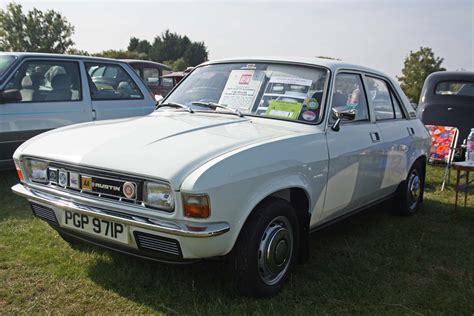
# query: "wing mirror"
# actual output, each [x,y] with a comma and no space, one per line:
[10,96]
[342,113]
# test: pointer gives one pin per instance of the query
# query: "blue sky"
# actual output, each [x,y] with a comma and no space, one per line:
[375,33]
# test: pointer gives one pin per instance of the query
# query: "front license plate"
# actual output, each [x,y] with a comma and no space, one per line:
[96,226]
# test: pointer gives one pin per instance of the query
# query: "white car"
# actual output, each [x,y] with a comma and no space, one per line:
[235,162]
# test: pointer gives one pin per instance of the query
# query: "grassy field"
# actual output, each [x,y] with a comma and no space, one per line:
[372,263]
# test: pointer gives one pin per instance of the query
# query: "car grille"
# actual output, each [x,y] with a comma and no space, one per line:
[44,212]
[159,244]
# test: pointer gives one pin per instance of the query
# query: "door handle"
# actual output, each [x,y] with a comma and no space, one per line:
[375,137]
[411,131]
[94,115]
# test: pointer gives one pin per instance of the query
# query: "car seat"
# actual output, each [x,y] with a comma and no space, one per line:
[27,90]
[61,84]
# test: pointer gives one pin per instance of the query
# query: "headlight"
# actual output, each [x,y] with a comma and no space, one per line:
[158,195]
[37,170]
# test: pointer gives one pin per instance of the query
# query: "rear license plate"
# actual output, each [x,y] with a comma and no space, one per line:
[96,226]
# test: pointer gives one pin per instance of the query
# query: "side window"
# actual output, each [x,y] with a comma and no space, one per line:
[167,82]
[349,92]
[151,75]
[380,98]
[111,82]
[47,81]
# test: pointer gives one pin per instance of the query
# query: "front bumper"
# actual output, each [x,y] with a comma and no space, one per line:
[197,240]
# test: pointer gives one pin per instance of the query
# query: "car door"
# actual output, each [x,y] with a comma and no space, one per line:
[117,91]
[397,131]
[355,159]
[51,96]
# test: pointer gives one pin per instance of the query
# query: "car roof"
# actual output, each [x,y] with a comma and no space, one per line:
[450,75]
[146,62]
[331,64]
[49,55]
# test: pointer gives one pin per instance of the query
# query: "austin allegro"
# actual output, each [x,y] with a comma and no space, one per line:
[242,160]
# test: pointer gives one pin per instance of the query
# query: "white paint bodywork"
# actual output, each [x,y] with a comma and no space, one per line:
[240,161]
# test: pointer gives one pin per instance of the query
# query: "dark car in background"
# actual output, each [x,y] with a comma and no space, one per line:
[152,74]
[447,99]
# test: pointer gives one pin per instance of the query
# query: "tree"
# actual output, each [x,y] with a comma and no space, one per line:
[195,54]
[417,66]
[121,54]
[139,46]
[36,31]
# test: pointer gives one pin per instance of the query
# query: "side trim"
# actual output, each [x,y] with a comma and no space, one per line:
[349,214]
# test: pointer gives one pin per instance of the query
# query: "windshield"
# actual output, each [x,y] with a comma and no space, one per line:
[5,62]
[278,91]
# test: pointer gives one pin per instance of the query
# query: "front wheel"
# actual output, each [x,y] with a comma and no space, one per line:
[410,192]
[266,249]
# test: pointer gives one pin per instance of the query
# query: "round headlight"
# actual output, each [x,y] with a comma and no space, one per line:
[158,195]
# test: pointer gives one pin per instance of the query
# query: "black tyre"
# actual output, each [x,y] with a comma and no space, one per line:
[410,191]
[266,249]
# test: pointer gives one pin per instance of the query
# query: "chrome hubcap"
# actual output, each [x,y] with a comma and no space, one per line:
[275,250]
[414,188]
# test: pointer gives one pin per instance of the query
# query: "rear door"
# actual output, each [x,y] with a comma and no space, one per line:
[117,91]
[397,131]
[52,96]
[355,158]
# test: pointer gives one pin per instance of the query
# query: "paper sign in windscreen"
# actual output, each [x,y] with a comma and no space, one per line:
[241,89]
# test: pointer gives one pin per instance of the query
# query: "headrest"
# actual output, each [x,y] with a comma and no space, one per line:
[123,85]
[61,82]
[26,82]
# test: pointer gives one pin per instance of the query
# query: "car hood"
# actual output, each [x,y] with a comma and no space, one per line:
[165,145]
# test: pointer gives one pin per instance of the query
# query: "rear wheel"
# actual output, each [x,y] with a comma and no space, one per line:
[410,193]
[266,249]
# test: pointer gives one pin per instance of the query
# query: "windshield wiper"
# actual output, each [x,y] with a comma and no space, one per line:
[213,105]
[176,105]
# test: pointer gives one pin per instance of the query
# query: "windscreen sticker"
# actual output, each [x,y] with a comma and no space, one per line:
[241,89]
[284,109]
[312,103]
[309,115]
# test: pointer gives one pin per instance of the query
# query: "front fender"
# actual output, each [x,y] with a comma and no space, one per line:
[238,181]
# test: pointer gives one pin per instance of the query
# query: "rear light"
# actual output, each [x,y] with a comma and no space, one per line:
[18,172]
[196,205]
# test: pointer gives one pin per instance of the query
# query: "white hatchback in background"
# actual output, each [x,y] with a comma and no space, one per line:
[243,159]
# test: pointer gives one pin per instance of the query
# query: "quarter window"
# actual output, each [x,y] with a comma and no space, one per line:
[349,92]
[111,82]
[46,81]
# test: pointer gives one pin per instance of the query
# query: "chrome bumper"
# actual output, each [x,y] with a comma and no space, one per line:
[175,227]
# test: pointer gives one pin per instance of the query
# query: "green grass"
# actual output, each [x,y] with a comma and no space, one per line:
[372,263]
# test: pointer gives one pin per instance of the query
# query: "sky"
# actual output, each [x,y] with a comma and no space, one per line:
[374,33]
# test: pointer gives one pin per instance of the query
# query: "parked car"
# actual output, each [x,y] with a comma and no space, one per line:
[447,99]
[233,163]
[40,92]
[152,73]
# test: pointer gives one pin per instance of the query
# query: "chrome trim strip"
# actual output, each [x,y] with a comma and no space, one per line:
[179,228]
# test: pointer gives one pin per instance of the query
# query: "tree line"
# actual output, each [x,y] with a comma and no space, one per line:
[49,31]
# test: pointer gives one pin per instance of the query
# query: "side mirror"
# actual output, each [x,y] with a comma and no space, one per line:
[9,96]
[342,113]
